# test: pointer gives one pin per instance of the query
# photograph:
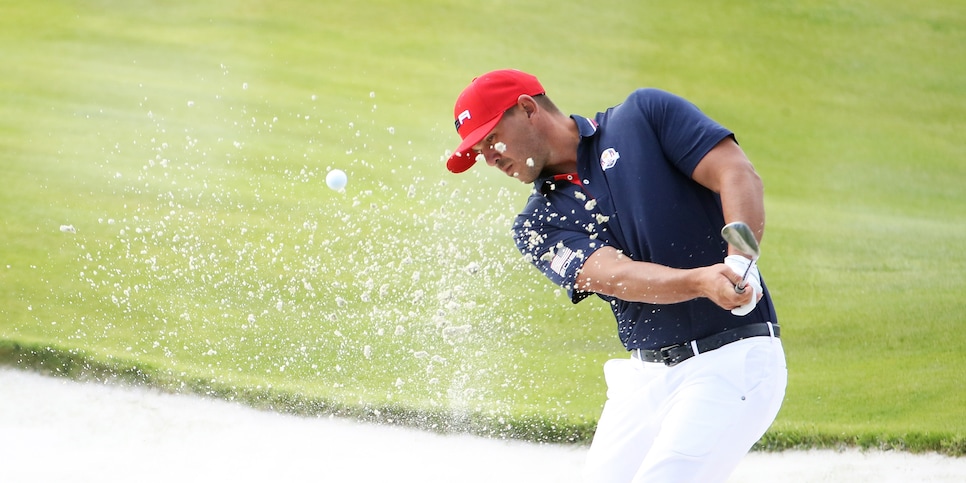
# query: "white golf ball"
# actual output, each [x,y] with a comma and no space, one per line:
[336,179]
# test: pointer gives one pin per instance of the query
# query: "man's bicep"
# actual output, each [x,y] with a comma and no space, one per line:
[725,160]
[599,270]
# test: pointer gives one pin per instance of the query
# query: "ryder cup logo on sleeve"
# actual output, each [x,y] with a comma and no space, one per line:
[609,158]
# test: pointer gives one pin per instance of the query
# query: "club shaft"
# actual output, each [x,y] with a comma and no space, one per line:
[740,287]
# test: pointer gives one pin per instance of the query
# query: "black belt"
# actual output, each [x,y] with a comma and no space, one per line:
[675,354]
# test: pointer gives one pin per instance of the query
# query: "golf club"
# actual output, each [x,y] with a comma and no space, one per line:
[739,235]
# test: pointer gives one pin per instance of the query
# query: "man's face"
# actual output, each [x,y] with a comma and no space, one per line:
[513,147]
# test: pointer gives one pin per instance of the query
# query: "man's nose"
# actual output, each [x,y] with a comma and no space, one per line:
[490,155]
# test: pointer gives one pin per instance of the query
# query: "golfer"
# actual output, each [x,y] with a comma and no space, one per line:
[629,206]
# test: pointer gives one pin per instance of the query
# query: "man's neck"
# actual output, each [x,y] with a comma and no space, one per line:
[563,143]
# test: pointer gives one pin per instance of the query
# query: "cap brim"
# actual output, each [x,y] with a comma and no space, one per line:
[464,158]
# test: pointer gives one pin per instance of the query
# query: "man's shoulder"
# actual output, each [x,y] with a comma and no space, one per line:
[649,93]
[645,98]
[542,196]
[552,199]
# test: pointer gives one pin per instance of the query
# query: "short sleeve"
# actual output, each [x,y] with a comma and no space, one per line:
[685,133]
[557,232]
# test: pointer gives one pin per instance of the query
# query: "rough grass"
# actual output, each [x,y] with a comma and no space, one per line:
[187,144]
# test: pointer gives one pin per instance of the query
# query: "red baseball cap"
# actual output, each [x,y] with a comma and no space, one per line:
[481,106]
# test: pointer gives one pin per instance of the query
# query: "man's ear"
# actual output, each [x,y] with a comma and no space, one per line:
[528,103]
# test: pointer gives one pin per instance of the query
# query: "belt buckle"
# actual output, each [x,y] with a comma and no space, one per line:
[666,355]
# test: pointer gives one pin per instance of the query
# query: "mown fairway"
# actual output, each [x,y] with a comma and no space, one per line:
[187,145]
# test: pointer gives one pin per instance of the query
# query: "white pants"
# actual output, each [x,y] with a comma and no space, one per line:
[689,423]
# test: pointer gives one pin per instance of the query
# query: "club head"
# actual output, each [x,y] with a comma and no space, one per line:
[739,235]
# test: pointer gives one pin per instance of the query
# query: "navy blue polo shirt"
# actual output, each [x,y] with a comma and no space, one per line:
[633,191]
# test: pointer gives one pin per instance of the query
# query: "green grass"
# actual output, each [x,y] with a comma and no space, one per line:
[187,143]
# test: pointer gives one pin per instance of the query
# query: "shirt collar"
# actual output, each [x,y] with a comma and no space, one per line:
[585,126]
